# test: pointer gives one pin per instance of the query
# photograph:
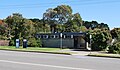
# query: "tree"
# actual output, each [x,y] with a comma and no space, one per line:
[115,47]
[28,29]
[64,13]
[49,18]
[75,24]
[60,15]
[3,30]
[15,24]
[77,19]
[94,24]
[115,33]
[19,27]
[103,26]
[40,26]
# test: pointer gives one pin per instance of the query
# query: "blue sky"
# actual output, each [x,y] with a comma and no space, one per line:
[106,11]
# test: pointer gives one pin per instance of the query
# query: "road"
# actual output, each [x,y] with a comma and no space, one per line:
[12,60]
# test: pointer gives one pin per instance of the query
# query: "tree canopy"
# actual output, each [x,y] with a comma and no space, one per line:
[60,16]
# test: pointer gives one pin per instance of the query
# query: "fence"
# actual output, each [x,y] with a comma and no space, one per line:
[4,42]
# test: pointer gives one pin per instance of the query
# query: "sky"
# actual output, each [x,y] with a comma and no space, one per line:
[102,11]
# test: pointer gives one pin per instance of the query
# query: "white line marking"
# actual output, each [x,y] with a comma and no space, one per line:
[44,65]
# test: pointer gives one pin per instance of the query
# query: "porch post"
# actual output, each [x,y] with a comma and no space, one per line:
[61,40]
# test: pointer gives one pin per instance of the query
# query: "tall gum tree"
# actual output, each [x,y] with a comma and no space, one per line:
[59,15]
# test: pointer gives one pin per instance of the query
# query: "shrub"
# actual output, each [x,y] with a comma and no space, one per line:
[100,39]
[115,48]
[12,43]
[33,42]
[99,46]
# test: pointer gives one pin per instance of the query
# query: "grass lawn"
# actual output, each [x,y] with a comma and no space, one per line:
[34,49]
[106,55]
[29,48]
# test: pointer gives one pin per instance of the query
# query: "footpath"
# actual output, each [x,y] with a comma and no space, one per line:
[91,53]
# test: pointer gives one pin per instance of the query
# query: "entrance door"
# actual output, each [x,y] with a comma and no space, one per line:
[81,43]
[75,42]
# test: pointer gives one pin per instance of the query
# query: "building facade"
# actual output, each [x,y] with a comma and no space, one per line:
[64,40]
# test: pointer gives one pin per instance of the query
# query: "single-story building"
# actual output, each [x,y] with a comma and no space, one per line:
[64,40]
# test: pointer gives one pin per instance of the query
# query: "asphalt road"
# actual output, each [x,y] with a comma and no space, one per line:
[11,60]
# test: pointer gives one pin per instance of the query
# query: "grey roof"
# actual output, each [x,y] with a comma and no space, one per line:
[65,33]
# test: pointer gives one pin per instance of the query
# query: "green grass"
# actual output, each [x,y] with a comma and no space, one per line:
[105,55]
[29,48]
[35,49]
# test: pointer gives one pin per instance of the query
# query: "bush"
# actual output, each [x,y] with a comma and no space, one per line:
[12,43]
[33,42]
[115,48]
[99,46]
[100,39]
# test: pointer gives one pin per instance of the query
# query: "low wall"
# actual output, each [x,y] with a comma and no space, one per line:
[4,42]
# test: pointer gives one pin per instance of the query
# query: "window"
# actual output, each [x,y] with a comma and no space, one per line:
[71,36]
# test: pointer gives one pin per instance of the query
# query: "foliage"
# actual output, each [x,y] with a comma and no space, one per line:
[115,33]
[28,29]
[83,29]
[100,39]
[94,24]
[3,31]
[77,19]
[74,24]
[62,17]
[40,26]
[12,43]
[33,42]
[14,22]
[115,48]
[64,12]
[70,26]
[19,28]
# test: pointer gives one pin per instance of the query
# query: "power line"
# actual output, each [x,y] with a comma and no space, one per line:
[43,3]
[48,3]
[81,2]
[103,2]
